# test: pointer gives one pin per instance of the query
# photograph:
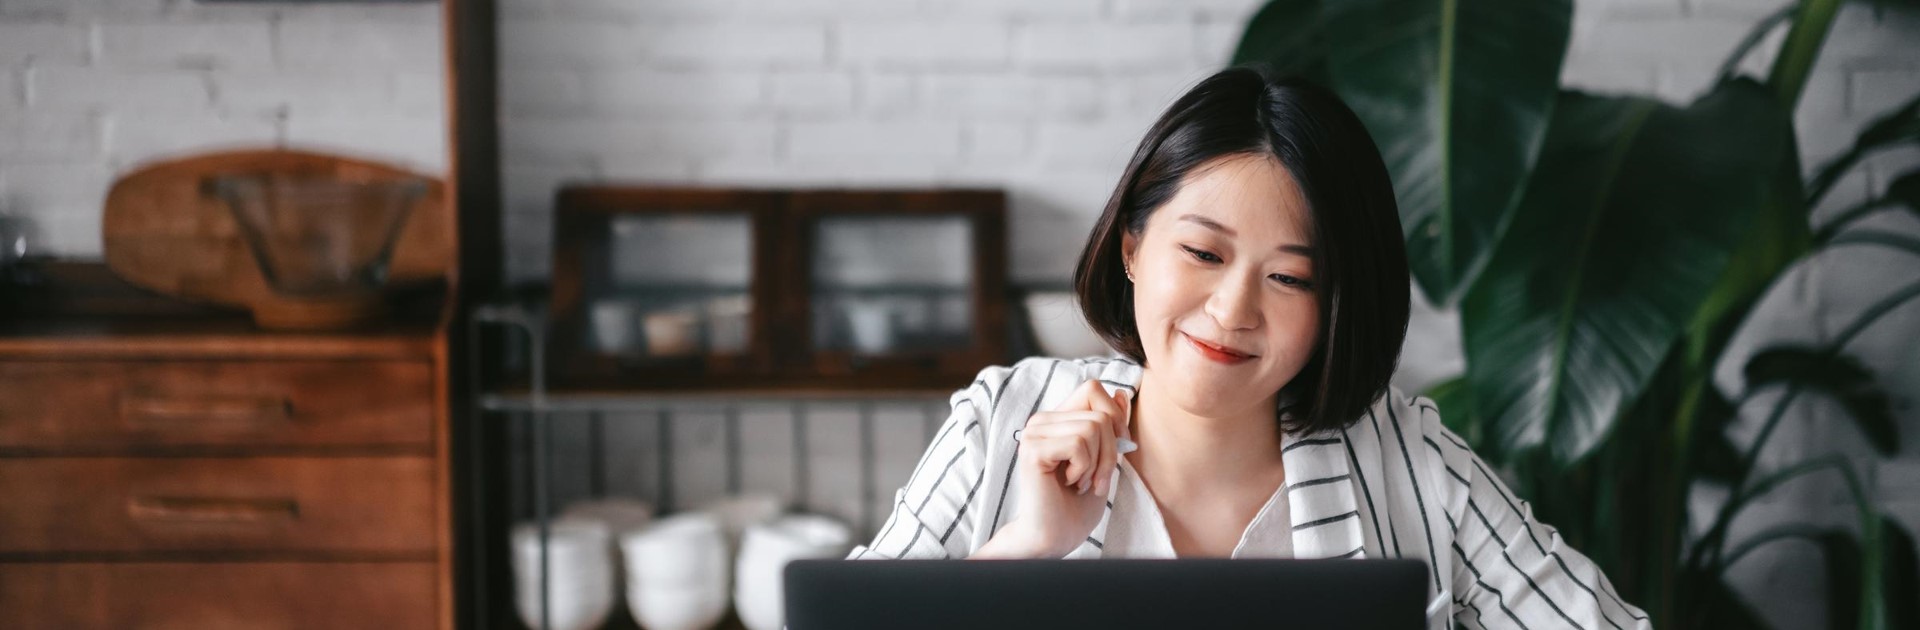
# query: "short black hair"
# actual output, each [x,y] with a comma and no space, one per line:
[1359,260]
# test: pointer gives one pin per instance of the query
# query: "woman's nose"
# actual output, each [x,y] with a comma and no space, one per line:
[1234,305]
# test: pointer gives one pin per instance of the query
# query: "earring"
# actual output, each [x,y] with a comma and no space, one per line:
[1129,273]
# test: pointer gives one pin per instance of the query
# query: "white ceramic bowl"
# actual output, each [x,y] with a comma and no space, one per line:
[677,572]
[1059,327]
[765,550]
[671,608]
[580,584]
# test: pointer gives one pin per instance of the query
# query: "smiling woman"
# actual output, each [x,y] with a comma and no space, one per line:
[1249,269]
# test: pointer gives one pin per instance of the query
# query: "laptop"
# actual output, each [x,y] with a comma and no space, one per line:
[1106,594]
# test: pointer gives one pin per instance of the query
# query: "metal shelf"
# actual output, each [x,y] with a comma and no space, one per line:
[538,408]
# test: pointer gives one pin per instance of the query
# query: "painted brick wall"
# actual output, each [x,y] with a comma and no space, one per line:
[90,89]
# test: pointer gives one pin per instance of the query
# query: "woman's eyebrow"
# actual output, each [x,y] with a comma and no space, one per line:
[1216,226]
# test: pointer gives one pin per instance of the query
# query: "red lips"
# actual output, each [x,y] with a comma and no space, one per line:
[1217,352]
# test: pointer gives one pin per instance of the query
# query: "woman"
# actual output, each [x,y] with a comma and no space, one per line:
[1249,268]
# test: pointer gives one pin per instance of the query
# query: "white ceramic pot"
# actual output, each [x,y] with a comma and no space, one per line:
[677,572]
[619,516]
[871,322]
[765,550]
[615,328]
[579,587]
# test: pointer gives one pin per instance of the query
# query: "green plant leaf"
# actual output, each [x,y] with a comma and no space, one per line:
[1839,551]
[1456,408]
[1457,93]
[1839,376]
[1629,220]
[1902,574]
[1288,37]
[1775,239]
[1900,126]
[1844,565]
[1905,190]
[1717,605]
[1714,457]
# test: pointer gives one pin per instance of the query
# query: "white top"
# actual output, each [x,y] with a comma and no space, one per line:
[1394,484]
[1136,529]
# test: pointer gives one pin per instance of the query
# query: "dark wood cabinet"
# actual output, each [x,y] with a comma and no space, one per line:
[190,470]
[702,289]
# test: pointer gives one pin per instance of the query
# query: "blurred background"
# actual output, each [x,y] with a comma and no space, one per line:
[1713,395]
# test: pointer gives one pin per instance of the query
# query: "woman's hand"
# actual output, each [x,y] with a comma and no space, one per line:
[1065,471]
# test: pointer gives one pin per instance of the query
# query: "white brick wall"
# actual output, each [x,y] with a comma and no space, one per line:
[90,89]
[933,92]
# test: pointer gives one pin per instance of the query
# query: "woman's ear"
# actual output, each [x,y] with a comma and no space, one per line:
[1128,242]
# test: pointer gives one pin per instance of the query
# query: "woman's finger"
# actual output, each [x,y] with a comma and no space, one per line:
[1108,458]
[1053,417]
[1069,447]
[1081,398]
[1103,402]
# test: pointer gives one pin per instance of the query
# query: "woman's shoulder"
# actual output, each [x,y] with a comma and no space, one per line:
[1400,419]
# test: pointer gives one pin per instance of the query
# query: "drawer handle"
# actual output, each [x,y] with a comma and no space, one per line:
[150,410]
[212,509]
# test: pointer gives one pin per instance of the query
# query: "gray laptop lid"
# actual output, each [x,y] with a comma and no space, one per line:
[1107,594]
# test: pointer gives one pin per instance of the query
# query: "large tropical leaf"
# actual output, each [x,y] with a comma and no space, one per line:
[1714,457]
[1629,219]
[1716,605]
[1839,376]
[1287,36]
[1456,409]
[1903,194]
[1457,94]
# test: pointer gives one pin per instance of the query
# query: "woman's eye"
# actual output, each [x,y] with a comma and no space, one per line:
[1203,255]
[1291,281]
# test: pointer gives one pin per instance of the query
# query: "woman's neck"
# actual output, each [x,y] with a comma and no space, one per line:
[1181,449]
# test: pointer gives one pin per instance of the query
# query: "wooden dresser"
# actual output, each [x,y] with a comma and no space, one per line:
[182,469]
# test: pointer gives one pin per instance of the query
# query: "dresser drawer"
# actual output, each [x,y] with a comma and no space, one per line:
[248,504]
[51,406]
[218,596]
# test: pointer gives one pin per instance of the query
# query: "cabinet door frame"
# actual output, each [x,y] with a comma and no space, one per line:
[582,248]
[781,355]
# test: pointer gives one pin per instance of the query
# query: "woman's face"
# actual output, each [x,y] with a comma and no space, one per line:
[1223,286]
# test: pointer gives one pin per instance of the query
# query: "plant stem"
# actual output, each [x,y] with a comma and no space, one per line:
[1797,530]
[1712,541]
[1801,49]
[1826,232]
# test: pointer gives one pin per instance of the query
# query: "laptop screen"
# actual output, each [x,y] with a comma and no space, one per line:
[1107,594]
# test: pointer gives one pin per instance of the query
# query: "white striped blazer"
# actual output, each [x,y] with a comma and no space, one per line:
[1395,484]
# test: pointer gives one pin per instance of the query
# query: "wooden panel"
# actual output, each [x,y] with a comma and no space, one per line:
[254,596]
[116,406]
[113,505]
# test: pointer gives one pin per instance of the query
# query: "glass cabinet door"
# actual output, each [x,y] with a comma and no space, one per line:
[684,288]
[675,285]
[890,285]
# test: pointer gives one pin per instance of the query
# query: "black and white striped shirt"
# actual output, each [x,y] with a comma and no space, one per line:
[1395,484]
